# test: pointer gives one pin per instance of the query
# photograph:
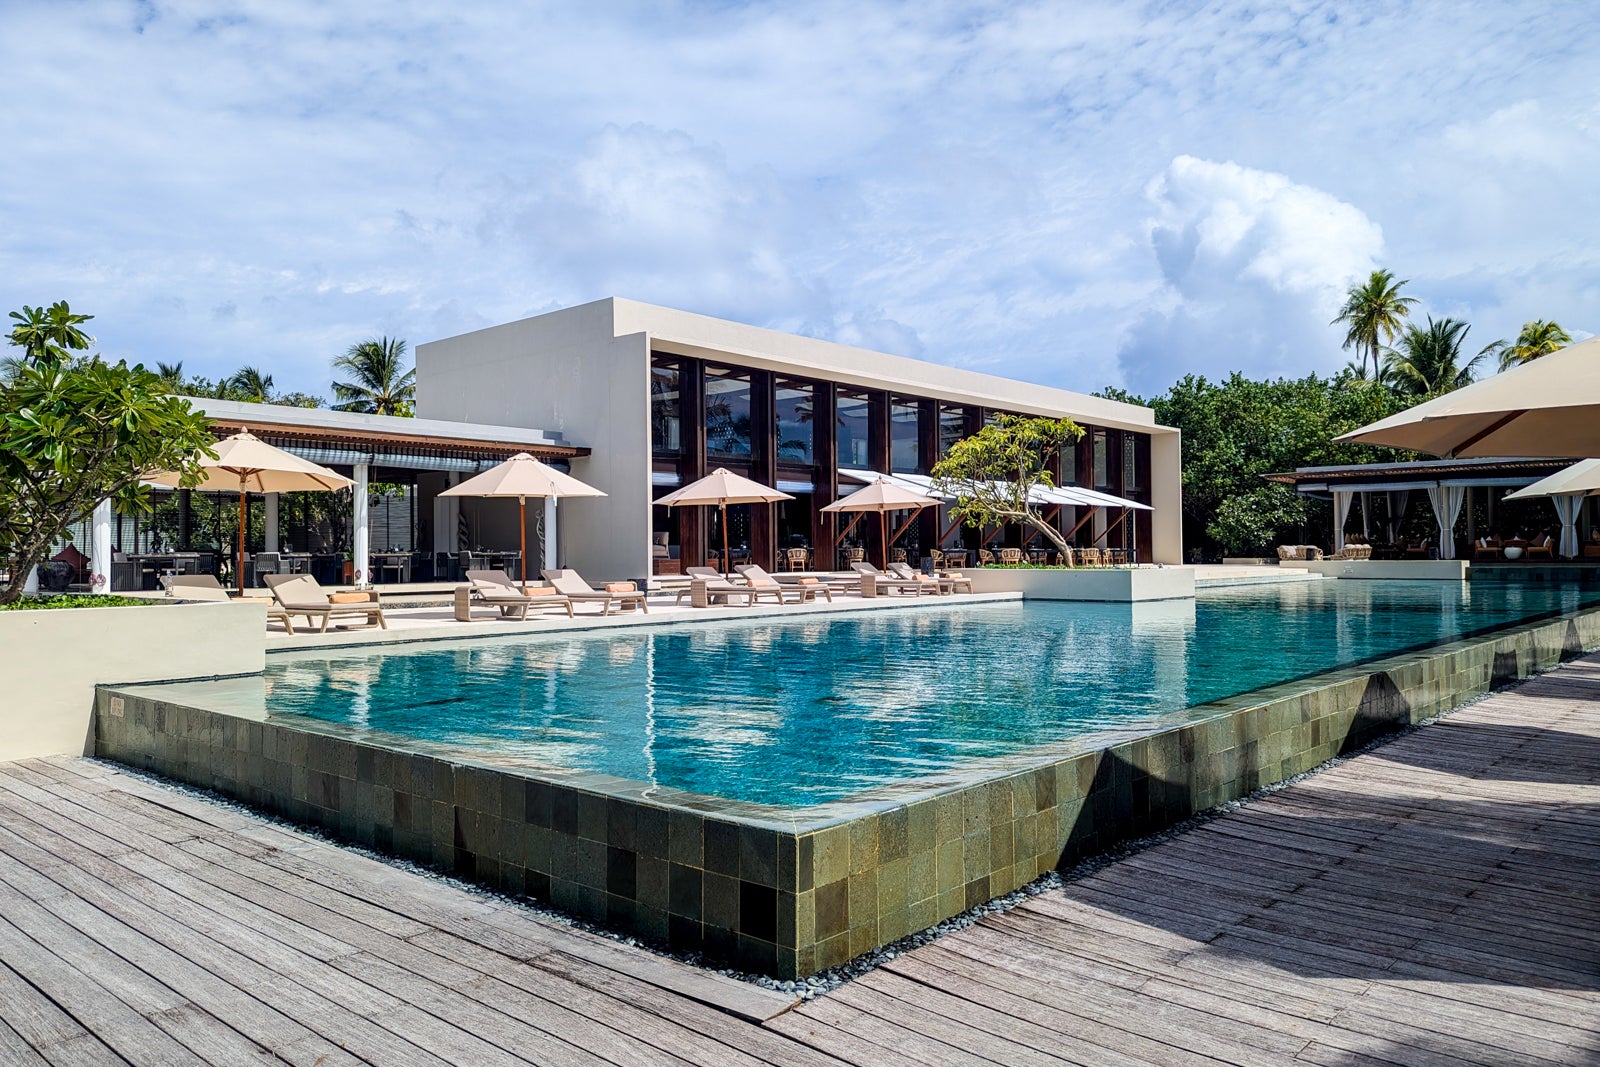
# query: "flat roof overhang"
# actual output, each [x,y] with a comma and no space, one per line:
[381,435]
[1418,474]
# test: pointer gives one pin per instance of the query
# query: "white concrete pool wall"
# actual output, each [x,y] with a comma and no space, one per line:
[53,659]
[1115,584]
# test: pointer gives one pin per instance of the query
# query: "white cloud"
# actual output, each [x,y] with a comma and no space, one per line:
[1251,257]
[965,182]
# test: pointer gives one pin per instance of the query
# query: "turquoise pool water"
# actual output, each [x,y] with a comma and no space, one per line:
[812,709]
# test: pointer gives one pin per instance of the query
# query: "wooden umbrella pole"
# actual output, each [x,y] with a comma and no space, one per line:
[242,495]
[726,556]
[522,528]
[883,532]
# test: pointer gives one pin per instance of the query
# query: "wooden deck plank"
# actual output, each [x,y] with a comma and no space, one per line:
[1434,901]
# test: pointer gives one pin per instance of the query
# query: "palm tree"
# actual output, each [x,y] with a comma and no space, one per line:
[380,382]
[1538,338]
[1428,360]
[171,373]
[249,384]
[1372,314]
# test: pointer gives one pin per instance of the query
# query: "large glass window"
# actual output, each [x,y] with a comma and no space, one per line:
[1102,473]
[853,421]
[1069,464]
[727,412]
[666,405]
[952,427]
[905,452]
[793,408]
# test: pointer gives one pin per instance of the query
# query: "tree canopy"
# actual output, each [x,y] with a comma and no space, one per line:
[1238,429]
[1538,338]
[992,474]
[1374,313]
[378,382]
[76,430]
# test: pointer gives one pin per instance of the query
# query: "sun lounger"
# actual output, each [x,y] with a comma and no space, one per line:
[570,584]
[764,583]
[299,594]
[947,583]
[205,587]
[873,580]
[495,589]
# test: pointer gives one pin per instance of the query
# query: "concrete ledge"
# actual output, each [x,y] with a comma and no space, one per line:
[1395,570]
[53,660]
[1117,584]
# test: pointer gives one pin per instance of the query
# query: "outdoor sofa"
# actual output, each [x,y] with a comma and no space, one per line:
[495,589]
[300,594]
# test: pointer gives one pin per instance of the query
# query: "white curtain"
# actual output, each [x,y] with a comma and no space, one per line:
[1341,512]
[1568,506]
[1398,501]
[1446,501]
[1366,510]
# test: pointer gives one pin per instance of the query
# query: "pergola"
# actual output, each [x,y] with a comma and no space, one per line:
[1450,485]
[357,445]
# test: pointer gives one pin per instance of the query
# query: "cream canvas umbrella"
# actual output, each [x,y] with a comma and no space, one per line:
[1549,407]
[250,465]
[522,476]
[719,489]
[1566,489]
[884,496]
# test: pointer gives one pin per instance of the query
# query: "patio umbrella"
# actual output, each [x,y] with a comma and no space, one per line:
[1566,489]
[250,465]
[1549,407]
[522,476]
[719,489]
[884,496]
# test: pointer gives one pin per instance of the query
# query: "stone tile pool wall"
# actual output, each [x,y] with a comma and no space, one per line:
[789,892]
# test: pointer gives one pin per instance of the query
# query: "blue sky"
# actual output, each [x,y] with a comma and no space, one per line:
[1075,194]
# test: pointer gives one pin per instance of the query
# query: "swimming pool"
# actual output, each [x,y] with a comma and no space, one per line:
[797,712]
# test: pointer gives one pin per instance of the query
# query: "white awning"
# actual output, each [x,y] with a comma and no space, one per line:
[1074,495]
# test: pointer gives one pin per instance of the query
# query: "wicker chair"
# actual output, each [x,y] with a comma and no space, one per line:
[795,559]
[1011,557]
[985,558]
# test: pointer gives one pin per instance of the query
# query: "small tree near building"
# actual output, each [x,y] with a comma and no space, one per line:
[993,474]
[76,430]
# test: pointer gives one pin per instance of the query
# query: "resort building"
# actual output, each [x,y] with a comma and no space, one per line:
[661,397]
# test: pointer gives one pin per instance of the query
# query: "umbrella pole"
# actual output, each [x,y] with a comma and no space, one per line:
[522,528]
[726,556]
[883,534]
[242,519]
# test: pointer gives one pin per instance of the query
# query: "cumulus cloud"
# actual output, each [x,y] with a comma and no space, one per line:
[968,183]
[1250,259]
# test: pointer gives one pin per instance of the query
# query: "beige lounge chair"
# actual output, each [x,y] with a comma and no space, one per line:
[873,580]
[299,594]
[762,582]
[570,584]
[205,587]
[947,583]
[495,589]
[703,592]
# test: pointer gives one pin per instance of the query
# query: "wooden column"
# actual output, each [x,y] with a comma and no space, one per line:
[825,454]
[878,453]
[928,529]
[692,522]
[763,468]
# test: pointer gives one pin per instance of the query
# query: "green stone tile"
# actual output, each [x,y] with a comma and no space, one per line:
[831,854]
[832,909]
[920,827]
[686,838]
[863,898]
[863,844]
[893,834]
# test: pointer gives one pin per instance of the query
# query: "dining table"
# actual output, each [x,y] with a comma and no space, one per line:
[399,562]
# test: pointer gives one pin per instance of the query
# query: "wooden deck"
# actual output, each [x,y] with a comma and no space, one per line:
[1433,902]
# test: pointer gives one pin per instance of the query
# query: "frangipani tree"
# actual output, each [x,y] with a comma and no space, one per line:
[994,473]
[76,430]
